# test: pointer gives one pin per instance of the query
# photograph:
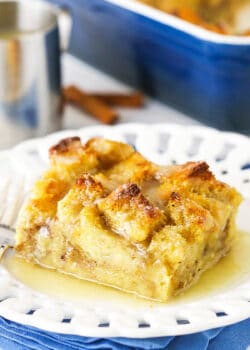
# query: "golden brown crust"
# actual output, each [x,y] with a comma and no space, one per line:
[175,196]
[87,182]
[130,194]
[127,192]
[200,169]
[128,202]
[65,145]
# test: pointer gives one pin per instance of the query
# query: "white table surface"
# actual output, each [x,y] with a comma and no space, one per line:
[90,79]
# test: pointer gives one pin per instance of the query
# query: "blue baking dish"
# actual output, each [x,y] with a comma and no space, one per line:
[204,74]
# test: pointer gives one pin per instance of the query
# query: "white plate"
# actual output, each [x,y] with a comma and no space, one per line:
[227,154]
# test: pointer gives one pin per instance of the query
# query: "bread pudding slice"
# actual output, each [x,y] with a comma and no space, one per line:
[104,213]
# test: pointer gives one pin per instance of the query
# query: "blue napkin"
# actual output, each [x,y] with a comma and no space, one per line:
[14,336]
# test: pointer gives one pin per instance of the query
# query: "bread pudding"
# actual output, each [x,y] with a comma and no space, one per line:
[104,213]
[216,15]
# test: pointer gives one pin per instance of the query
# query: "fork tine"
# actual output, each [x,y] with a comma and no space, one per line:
[3,250]
[4,186]
[7,236]
[14,198]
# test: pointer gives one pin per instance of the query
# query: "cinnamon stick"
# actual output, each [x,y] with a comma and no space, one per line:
[132,100]
[90,104]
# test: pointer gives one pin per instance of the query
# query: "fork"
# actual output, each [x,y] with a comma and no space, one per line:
[12,194]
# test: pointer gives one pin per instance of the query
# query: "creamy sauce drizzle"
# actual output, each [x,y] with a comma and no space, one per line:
[231,270]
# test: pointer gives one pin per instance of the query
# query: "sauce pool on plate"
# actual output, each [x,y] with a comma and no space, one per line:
[231,270]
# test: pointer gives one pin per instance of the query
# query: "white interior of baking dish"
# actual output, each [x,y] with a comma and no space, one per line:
[194,30]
